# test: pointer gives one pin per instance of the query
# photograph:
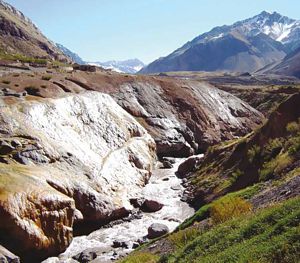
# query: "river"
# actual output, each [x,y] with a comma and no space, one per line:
[166,188]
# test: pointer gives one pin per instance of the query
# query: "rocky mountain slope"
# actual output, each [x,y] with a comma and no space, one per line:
[290,66]
[75,57]
[19,36]
[244,46]
[131,66]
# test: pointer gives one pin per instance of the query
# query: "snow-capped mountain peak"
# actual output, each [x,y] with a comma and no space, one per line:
[127,66]
[274,25]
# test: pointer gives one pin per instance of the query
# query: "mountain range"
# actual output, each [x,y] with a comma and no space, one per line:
[246,45]
[126,66]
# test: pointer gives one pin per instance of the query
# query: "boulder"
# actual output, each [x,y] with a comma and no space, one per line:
[5,148]
[157,230]
[122,244]
[167,164]
[188,166]
[151,206]
[8,257]
[86,256]
[137,202]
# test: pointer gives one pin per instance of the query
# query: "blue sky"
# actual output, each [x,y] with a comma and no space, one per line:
[100,30]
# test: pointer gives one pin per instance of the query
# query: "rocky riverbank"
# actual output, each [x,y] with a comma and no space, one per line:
[109,243]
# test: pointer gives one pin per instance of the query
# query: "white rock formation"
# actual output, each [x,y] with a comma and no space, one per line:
[84,146]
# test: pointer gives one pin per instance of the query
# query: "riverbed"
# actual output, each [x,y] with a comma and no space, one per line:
[166,188]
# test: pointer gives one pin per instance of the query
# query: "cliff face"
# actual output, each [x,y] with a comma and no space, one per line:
[79,158]
[183,116]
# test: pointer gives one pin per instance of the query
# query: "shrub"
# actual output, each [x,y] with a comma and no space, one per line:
[47,77]
[6,82]
[293,127]
[294,144]
[275,166]
[235,175]
[253,153]
[183,237]
[272,148]
[138,257]
[228,208]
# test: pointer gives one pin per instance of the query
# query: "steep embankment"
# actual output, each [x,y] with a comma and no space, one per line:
[79,158]
[290,66]
[184,117]
[247,192]
[270,152]
[21,39]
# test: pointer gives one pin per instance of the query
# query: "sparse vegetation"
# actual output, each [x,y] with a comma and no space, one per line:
[228,208]
[183,237]
[139,257]
[235,175]
[7,82]
[46,77]
[253,153]
[22,58]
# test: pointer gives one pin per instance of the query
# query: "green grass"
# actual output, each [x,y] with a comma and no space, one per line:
[204,211]
[140,257]
[269,235]
[22,58]
[46,77]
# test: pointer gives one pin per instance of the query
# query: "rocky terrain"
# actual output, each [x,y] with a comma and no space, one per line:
[245,46]
[82,157]
[61,163]
[180,167]
[290,66]
[21,39]
[247,194]
[180,115]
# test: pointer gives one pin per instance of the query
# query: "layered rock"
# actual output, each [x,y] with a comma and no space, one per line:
[184,117]
[78,157]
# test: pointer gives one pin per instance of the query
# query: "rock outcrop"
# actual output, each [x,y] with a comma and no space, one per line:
[184,117]
[8,257]
[79,157]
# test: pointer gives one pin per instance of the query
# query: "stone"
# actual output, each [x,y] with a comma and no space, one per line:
[167,164]
[16,143]
[175,188]
[151,206]
[188,166]
[122,244]
[86,256]
[137,202]
[5,148]
[8,257]
[157,230]
[135,245]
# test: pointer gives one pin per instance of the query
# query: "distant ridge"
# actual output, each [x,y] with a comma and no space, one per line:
[246,45]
